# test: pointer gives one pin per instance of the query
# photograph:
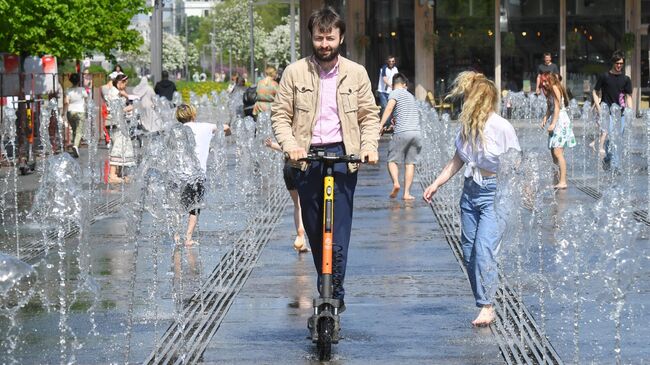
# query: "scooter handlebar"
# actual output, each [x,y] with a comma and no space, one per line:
[327,156]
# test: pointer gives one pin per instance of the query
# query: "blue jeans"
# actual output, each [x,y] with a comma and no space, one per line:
[480,238]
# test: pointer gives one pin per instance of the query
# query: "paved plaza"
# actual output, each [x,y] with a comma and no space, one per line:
[243,295]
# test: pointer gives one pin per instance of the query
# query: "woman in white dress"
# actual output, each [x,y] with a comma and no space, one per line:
[121,153]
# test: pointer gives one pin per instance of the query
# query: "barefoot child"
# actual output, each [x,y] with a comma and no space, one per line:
[405,145]
[193,193]
[560,132]
[483,137]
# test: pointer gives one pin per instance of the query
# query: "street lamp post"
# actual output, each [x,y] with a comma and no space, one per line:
[156,41]
[252,42]
[212,58]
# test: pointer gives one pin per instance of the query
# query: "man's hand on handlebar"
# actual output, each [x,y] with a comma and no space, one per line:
[371,157]
[296,153]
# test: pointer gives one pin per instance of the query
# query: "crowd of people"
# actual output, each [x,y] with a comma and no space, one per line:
[325,102]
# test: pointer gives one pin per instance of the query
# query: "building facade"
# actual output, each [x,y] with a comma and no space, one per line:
[434,40]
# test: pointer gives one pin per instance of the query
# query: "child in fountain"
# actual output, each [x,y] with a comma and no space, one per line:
[560,132]
[405,145]
[192,194]
[483,137]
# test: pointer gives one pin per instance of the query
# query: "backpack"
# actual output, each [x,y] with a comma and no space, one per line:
[250,97]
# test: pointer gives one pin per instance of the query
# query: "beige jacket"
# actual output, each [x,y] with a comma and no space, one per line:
[293,113]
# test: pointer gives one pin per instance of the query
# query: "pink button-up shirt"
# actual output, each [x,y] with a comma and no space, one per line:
[328,126]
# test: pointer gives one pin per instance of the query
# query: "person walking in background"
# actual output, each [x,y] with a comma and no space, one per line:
[325,103]
[615,88]
[266,90]
[385,83]
[299,244]
[560,131]
[547,66]
[483,137]
[406,142]
[74,108]
[193,194]
[165,87]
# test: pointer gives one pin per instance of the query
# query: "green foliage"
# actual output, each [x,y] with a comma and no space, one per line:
[68,29]
[272,15]
[231,25]
[193,24]
[96,69]
[200,88]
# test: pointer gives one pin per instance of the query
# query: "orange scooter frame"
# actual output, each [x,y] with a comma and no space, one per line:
[324,324]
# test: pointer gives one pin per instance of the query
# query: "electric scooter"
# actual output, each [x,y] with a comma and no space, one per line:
[324,324]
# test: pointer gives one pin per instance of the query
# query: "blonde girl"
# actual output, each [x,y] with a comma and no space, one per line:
[482,138]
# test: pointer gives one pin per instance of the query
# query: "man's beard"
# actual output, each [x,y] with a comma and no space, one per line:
[333,54]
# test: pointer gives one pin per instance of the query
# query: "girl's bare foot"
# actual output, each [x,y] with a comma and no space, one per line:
[485,316]
[408,197]
[393,193]
[560,186]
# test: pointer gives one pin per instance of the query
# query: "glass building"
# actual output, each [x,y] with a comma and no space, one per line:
[434,40]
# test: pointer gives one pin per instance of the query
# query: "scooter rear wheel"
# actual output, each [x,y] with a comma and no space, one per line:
[324,344]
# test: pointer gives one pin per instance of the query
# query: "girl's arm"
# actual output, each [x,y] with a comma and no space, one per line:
[556,109]
[447,173]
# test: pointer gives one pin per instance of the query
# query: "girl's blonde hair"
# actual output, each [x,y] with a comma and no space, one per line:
[480,99]
[185,113]
[548,80]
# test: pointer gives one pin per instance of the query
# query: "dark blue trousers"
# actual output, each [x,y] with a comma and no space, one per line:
[310,190]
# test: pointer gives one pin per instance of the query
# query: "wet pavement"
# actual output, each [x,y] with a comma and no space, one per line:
[407,298]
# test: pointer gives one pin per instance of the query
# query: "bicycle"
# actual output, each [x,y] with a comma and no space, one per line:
[324,324]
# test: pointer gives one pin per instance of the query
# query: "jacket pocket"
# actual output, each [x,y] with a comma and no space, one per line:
[349,98]
[304,96]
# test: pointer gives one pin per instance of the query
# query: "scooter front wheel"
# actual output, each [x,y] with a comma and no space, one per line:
[325,332]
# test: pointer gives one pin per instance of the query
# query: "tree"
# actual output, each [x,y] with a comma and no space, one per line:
[174,54]
[277,45]
[231,23]
[68,29]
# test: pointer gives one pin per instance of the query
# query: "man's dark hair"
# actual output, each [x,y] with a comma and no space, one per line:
[547,54]
[389,57]
[399,78]
[165,75]
[618,56]
[325,19]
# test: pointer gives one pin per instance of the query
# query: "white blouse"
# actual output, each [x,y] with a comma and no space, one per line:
[499,137]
